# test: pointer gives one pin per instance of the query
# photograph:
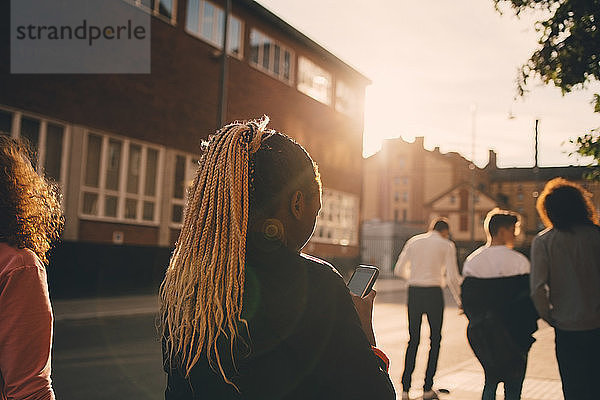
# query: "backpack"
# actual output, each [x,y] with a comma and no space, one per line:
[494,346]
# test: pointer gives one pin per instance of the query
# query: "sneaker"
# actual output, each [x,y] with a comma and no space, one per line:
[430,395]
[405,396]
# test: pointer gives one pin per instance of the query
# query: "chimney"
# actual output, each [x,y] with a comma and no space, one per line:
[492,160]
[420,141]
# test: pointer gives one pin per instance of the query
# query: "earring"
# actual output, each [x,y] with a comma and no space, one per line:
[273,229]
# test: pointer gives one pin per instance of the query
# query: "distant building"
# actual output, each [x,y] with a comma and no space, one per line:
[401,178]
[518,189]
[405,186]
[124,147]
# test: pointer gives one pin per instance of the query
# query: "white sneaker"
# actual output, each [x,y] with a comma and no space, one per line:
[430,395]
[405,396]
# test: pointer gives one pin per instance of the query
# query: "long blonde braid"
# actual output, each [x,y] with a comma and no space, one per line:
[201,295]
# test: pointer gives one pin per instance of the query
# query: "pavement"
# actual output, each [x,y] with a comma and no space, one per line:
[458,369]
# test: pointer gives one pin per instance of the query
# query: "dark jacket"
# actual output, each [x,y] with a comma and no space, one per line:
[502,319]
[305,339]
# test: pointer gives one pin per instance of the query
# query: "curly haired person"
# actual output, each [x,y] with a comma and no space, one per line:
[565,283]
[30,220]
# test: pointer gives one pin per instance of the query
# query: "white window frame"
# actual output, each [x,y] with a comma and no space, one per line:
[188,177]
[121,193]
[212,41]
[337,223]
[313,65]
[17,116]
[155,10]
[283,48]
[342,91]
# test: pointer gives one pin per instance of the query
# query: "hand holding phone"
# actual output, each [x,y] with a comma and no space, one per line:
[363,279]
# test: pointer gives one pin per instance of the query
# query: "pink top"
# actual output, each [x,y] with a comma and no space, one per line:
[25,326]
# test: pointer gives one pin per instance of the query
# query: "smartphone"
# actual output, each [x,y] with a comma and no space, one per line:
[362,280]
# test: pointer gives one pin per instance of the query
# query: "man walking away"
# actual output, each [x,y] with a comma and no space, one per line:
[495,298]
[424,262]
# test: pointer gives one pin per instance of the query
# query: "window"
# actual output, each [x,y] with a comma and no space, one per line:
[46,140]
[314,81]
[120,179]
[452,199]
[270,56]
[405,197]
[206,21]
[185,171]
[404,215]
[400,162]
[520,196]
[396,215]
[338,219]
[346,99]
[6,119]
[165,9]
[396,196]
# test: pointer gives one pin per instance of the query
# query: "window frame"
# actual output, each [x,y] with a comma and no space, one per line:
[283,48]
[331,90]
[215,43]
[154,11]
[188,177]
[328,228]
[40,151]
[354,110]
[121,193]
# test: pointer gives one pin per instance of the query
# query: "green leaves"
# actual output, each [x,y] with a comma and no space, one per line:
[568,55]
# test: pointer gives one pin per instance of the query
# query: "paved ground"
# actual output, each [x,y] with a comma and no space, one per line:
[107,349]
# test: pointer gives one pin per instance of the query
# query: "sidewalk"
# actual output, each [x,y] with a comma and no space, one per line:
[73,309]
[119,306]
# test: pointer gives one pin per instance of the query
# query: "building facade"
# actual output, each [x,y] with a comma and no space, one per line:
[124,147]
[517,189]
[406,186]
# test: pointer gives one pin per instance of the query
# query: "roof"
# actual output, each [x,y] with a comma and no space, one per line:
[302,38]
[539,173]
[453,188]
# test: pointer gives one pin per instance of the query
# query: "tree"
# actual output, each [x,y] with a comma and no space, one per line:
[568,55]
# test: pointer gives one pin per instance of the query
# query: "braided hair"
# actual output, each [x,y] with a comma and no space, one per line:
[243,172]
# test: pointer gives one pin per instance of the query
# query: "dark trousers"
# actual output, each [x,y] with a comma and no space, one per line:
[512,386]
[428,301]
[578,355]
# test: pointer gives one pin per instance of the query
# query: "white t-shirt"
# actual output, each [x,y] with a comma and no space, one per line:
[495,262]
[430,260]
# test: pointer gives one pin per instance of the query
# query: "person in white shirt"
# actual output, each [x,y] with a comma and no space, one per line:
[495,299]
[425,262]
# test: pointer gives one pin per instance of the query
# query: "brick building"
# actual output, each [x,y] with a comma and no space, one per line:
[518,188]
[401,178]
[123,147]
[405,186]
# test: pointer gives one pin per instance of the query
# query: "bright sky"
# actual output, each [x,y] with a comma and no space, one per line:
[433,62]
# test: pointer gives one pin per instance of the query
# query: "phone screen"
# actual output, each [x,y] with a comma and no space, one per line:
[360,280]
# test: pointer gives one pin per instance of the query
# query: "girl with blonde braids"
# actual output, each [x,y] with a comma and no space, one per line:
[244,315]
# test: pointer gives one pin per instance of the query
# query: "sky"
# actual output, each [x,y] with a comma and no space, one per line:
[446,70]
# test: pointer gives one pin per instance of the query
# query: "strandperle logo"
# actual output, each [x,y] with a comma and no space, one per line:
[79,37]
[85,31]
